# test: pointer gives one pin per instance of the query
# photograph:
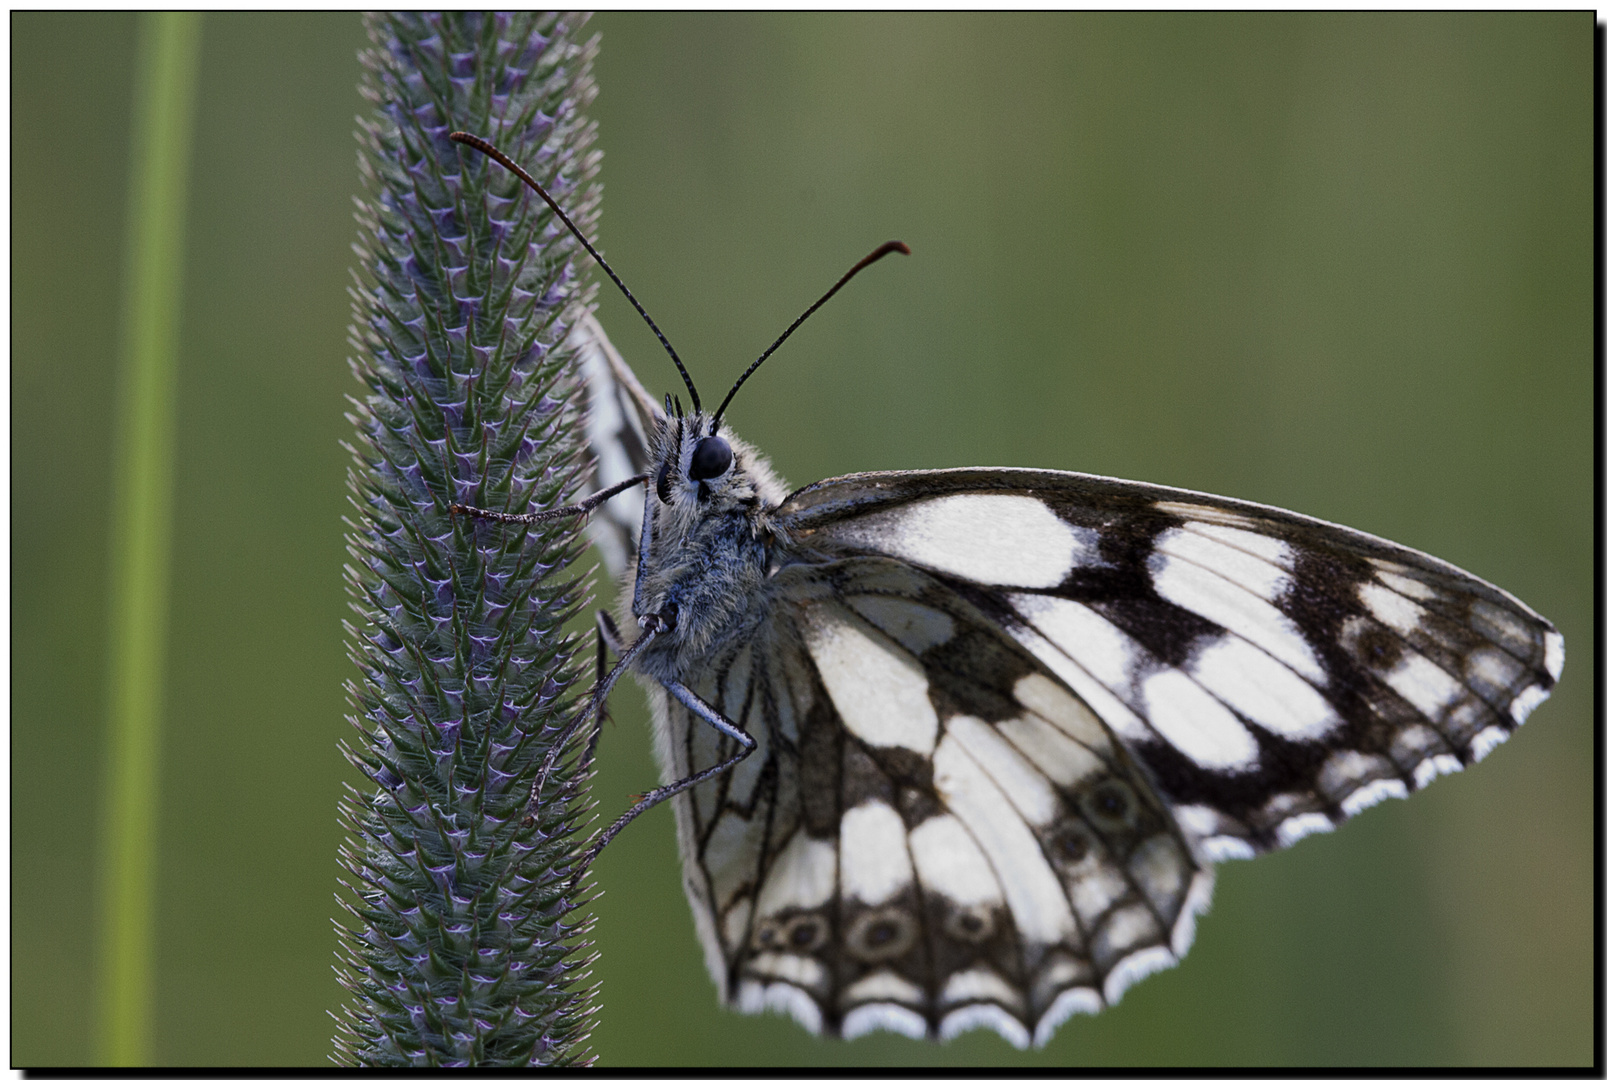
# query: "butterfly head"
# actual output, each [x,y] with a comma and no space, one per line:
[701,470]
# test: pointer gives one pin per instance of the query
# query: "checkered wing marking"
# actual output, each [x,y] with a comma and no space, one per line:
[934,834]
[1275,674]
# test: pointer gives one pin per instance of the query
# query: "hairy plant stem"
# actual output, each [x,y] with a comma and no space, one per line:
[465,943]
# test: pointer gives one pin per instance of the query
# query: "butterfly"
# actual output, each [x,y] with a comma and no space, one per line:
[959,748]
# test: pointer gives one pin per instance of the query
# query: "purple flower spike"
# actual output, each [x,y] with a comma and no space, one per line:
[455,714]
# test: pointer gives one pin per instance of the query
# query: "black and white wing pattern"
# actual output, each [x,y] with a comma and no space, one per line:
[1008,718]
[1275,673]
[934,833]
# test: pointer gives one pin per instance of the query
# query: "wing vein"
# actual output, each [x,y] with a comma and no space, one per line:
[1406,644]
[998,877]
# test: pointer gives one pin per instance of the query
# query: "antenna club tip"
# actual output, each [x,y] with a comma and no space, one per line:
[898,246]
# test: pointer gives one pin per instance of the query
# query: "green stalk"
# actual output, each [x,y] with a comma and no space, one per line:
[142,498]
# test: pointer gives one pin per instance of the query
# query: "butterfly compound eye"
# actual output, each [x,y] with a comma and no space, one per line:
[710,458]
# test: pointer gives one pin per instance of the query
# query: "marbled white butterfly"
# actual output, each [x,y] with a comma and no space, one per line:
[959,748]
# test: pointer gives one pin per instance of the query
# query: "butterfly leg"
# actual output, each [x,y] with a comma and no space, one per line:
[651,628]
[585,506]
[607,641]
[608,631]
[709,715]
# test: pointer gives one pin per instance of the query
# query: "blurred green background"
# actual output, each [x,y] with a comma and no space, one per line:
[1338,263]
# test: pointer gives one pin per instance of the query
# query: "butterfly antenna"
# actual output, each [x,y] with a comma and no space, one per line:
[886,249]
[508,163]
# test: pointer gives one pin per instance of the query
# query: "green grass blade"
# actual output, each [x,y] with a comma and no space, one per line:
[164,102]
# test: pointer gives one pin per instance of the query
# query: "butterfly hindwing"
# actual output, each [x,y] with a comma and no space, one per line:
[1275,674]
[935,833]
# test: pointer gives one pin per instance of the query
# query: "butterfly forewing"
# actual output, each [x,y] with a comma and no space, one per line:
[1275,674]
